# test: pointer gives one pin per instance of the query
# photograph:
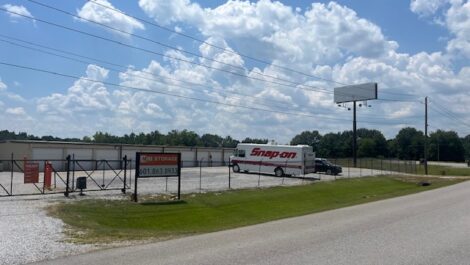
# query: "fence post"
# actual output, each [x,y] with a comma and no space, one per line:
[349,175]
[200,174]
[371,166]
[229,174]
[66,193]
[11,177]
[73,172]
[125,174]
[381,167]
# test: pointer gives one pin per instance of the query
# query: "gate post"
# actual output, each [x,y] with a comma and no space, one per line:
[66,193]
[125,174]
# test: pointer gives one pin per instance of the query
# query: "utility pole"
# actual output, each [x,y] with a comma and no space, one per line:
[426,135]
[354,136]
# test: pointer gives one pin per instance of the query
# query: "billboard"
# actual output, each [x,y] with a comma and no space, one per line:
[361,92]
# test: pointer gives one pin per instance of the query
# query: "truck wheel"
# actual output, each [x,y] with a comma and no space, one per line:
[236,168]
[279,172]
[328,172]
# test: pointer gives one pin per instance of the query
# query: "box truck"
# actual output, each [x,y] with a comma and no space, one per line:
[281,160]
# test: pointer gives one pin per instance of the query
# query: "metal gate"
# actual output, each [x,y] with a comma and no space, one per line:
[41,177]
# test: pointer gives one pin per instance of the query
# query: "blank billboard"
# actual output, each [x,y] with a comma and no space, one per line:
[361,92]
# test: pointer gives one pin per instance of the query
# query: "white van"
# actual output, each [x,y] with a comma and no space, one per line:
[281,160]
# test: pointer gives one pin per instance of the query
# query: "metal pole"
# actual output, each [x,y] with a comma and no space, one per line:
[136,176]
[229,174]
[200,175]
[73,172]
[11,178]
[179,176]
[104,168]
[426,135]
[354,135]
[125,174]
[68,177]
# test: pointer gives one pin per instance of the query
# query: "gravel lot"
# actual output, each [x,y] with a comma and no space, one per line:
[29,235]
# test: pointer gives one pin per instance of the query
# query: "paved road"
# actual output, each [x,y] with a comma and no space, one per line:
[426,228]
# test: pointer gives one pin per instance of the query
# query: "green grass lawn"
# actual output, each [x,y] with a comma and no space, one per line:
[95,221]
[445,171]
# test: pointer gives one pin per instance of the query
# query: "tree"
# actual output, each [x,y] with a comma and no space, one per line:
[229,142]
[367,148]
[211,140]
[410,144]
[466,146]
[445,146]
[372,143]
[255,141]
[311,138]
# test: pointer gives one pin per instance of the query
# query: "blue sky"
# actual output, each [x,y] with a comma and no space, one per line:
[416,48]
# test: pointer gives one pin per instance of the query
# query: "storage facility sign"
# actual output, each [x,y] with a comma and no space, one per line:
[31,172]
[155,165]
[158,164]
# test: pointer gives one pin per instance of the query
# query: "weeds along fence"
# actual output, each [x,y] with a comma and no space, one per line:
[41,177]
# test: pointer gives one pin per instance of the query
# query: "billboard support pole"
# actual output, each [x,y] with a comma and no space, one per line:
[354,135]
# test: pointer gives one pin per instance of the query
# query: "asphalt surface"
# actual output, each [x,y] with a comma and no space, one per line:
[426,228]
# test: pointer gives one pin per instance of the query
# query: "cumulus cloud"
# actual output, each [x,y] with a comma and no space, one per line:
[426,7]
[458,23]
[83,96]
[322,34]
[16,111]
[106,16]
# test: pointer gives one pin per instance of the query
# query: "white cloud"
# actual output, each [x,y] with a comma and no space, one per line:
[3,86]
[106,16]
[266,29]
[83,96]
[458,23]
[16,111]
[17,11]
[426,7]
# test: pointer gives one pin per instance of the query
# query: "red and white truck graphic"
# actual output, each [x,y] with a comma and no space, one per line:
[281,160]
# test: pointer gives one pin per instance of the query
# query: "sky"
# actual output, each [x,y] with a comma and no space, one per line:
[259,69]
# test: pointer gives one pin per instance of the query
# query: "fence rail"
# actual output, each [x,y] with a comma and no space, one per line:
[199,176]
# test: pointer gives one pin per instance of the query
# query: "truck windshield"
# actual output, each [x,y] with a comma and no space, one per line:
[239,153]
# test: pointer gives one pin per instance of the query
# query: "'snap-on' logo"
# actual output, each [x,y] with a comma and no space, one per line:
[271,154]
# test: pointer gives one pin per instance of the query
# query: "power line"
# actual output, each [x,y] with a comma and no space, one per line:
[138,76]
[214,45]
[177,95]
[315,88]
[141,77]
[179,49]
[147,72]
[148,22]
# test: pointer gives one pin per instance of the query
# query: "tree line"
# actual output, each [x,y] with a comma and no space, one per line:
[408,143]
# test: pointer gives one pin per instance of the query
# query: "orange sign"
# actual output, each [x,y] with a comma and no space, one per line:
[31,172]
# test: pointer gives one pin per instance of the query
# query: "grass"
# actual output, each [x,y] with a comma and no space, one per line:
[403,166]
[103,221]
[445,170]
